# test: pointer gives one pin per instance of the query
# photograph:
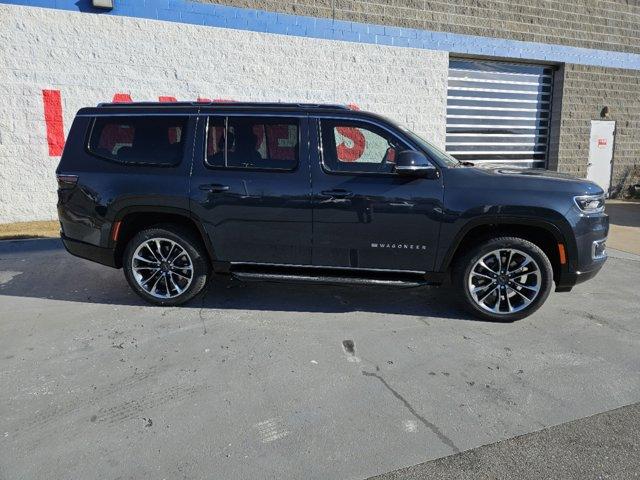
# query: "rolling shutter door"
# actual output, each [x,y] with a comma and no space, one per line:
[499,112]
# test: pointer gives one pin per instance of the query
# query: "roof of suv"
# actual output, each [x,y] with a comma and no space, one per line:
[209,106]
[230,103]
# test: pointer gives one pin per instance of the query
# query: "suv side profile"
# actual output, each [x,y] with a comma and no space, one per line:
[173,193]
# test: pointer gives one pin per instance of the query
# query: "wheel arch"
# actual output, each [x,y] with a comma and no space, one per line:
[546,235]
[130,221]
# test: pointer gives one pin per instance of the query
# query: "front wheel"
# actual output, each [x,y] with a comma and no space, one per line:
[166,265]
[504,279]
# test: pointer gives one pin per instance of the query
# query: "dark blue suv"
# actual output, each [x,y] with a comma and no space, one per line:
[318,193]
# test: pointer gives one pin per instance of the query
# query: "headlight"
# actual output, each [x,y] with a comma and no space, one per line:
[590,203]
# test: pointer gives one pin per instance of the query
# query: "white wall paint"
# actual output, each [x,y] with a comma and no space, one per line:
[90,57]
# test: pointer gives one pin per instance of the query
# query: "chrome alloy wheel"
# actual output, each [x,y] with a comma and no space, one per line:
[162,268]
[505,281]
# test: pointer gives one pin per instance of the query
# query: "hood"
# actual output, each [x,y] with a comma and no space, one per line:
[539,176]
[530,172]
[533,180]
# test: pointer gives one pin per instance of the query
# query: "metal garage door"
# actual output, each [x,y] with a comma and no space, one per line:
[498,112]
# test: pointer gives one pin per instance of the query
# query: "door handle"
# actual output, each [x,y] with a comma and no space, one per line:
[337,193]
[214,188]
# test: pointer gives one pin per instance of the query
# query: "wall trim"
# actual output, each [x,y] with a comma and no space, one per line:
[213,15]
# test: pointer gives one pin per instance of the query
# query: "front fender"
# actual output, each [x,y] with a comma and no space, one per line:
[546,219]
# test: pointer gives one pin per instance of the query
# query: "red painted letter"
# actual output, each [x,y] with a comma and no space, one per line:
[122,98]
[53,120]
[351,153]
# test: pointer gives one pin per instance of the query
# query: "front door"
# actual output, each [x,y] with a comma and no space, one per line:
[364,215]
[601,153]
[250,187]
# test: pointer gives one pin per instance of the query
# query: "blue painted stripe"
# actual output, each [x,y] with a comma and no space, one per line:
[184,11]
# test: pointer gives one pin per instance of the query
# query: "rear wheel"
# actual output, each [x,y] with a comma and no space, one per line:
[166,265]
[504,279]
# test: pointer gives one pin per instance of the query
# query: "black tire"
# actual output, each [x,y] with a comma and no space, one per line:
[464,265]
[191,244]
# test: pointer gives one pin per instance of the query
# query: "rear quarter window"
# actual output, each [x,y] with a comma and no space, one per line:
[144,140]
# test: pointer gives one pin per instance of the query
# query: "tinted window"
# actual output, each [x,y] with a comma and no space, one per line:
[356,147]
[246,142]
[151,140]
[216,141]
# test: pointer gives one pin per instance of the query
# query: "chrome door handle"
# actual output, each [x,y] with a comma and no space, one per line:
[337,193]
[214,188]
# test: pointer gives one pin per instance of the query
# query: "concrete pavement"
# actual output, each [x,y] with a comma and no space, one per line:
[256,380]
[602,446]
[624,225]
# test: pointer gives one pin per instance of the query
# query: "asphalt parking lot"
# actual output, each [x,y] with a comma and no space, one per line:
[269,380]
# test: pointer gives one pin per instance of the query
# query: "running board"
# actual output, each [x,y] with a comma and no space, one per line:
[278,277]
[326,275]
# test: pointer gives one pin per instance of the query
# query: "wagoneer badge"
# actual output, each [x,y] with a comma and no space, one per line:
[403,246]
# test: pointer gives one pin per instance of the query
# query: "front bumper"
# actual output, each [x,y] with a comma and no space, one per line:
[571,279]
[589,253]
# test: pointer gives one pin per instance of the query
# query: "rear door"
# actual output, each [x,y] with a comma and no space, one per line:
[366,216]
[250,186]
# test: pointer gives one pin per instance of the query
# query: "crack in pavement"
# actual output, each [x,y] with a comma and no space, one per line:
[200,314]
[437,432]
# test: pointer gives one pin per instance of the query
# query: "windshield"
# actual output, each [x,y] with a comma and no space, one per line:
[431,149]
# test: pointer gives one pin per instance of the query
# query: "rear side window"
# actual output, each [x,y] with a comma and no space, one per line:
[253,142]
[150,140]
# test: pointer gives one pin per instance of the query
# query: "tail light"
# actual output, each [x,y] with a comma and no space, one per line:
[66,181]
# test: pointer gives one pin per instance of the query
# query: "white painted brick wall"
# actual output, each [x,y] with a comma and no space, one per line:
[90,57]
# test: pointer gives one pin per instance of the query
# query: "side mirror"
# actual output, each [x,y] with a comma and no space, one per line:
[414,164]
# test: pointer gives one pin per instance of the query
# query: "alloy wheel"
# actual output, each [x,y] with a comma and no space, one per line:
[504,281]
[162,268]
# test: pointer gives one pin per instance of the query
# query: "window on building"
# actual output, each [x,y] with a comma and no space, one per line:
[499,112]
[349,146]
[253,142]
[150,140]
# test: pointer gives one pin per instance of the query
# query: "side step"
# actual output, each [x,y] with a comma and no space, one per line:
[330,276]
[274,277]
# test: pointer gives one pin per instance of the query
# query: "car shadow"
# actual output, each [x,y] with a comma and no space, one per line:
[43,269]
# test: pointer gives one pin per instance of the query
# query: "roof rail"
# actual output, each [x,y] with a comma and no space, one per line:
[222,103]
[149,104]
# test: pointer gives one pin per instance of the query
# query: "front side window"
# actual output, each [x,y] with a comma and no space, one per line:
[253,142]
[349,146]
[150,140]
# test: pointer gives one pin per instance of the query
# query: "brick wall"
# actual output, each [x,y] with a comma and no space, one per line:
[602,24]
[580,91]
[88,58]
[585,91]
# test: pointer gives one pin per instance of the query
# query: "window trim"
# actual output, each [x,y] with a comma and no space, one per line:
[89,151]
[327,169]
[226,116]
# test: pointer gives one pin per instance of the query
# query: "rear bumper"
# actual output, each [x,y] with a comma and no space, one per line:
[105,256]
